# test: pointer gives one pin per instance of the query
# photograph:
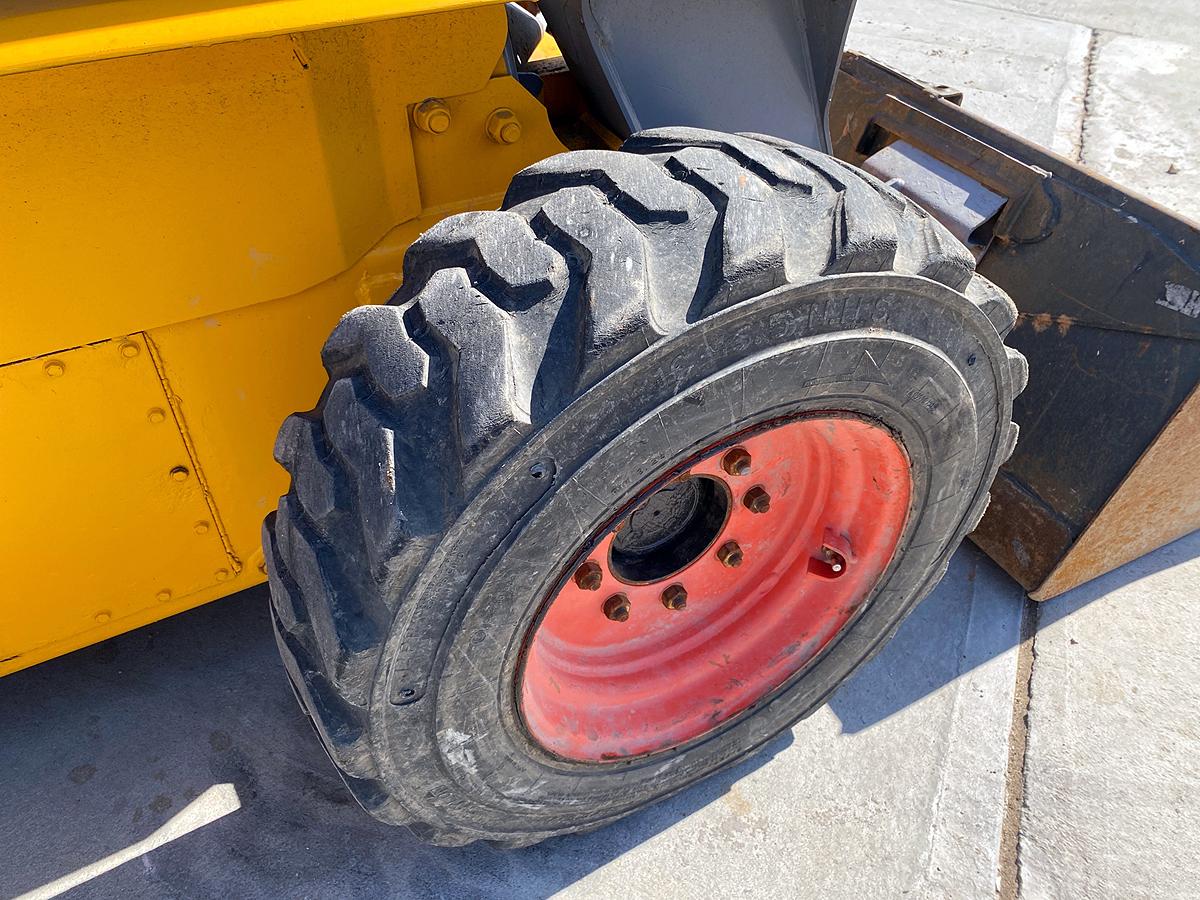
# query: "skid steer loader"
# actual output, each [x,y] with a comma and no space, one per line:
[659,367]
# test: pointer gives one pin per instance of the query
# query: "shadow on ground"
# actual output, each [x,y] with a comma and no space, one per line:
[104,746]
[958,628]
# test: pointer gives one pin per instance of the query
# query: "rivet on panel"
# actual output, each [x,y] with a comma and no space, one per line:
[180,473]
[163,596]
[222,574]
[156,416]
[503,126]
[103,616]
[129,349]
[432,117]
[201,527]
[54,368]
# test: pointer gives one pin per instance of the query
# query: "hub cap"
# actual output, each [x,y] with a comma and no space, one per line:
[721,584]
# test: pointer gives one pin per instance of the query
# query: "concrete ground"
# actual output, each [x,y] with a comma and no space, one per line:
[173,761]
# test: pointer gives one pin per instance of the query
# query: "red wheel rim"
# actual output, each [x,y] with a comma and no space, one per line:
[596,687]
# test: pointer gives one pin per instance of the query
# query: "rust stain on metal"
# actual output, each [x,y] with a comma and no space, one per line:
[1021,533]
[1040,322]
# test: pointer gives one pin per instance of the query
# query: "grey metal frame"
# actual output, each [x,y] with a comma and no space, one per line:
[760,65]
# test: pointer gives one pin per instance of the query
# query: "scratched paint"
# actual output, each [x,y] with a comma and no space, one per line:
[1182,299]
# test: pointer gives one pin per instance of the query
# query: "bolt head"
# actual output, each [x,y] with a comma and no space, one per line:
[757,500]
[103,616]
[432,117]
[674,597]
[54,369]
[510,133]
[201,528]
[730,554]
[156,416]
[736,461]
[503,126]
[163,596]
[589,576]
[129,349]
[616,608]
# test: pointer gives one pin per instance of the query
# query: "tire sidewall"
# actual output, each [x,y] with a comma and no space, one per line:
[906,352]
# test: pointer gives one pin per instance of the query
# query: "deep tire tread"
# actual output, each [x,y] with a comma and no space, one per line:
[429,394]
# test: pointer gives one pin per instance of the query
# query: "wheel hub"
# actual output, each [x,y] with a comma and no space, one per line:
[728,577]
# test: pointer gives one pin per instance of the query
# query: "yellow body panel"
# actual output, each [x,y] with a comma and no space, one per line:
[95,523]
[218,208]
[37,34]
[201,180]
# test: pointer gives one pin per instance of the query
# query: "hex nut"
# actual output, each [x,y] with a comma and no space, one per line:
[616,607]
[736,461]
[757,500]
[675,597]
[730,554]
[432,116]
[503,126]
[589,576]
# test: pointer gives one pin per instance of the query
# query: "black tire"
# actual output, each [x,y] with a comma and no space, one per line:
[539,365]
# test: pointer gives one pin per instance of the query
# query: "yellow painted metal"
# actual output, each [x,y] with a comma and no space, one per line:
[94,525]
[220,207]
[547,48]
[201,180]
[37,34]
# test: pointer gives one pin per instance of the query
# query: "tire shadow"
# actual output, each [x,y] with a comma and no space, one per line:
[104,746]
[972,617]
[107,745]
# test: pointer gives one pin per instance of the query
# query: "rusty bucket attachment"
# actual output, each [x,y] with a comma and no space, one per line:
[1108,288]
